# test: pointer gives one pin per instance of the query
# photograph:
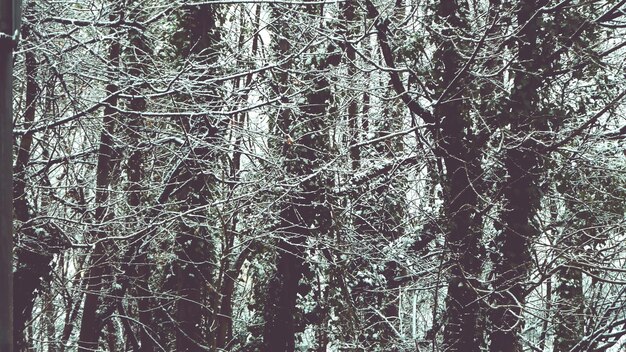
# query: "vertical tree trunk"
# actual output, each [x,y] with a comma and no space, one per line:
[521,195]
[569,313]
[138,54]
[348,12]
[6,176]
[140,266]
[33,257]
[198,39]
[303,212]
[91,322]
[460,149]
[280,305]
[456,145]
[305,148]
[570,305]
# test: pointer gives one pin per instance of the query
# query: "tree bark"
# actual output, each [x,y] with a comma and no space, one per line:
[32,255]
[305,147]
[6,176]
[91,322]
[457,146]
[521,194]
[460,150]
[195,246]
[138,263]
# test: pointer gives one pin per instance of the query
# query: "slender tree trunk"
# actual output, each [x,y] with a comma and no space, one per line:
[6,176]
[33,257]
[139,265]
[91,322]
[348,12]
[72,310]
[225,322]
[232,268]
[49,318]
[570,306]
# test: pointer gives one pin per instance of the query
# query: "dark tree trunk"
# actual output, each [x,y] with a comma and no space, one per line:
[569,314]
[304,211]
[138,265]
[460,151]
[194,269]
[195,249]
[280,302]
[350,16]
[6,176]
[521,195]
[33,258]
[91,322]
[72,309]
[280,307]
[192,272]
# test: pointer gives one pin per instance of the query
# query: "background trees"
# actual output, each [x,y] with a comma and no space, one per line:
[361,175]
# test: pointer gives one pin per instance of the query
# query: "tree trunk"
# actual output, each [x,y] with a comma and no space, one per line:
[521,195]
[457,146]
[570,306]
[195,244]
[232,268]
[32,255]
[305,147]
[6,176]
[91,323]
[139,266]
[569,316]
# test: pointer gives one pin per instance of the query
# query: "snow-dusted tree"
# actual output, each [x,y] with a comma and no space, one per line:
[363,175]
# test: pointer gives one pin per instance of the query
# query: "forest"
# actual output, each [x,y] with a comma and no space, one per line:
[313,175]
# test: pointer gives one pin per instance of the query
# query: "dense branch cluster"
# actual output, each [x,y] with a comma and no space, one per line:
[354,175]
